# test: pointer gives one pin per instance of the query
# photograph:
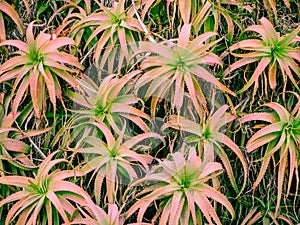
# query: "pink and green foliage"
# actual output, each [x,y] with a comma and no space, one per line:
[270,5]
[110,102]
[76,13]
[202,15]
[45,198]
[143,134]
[11,12]
[115,159]
[277,53]
[185,8]
[282,137]
[12,145]
[37,65]
[210,139]
[174,68]
[255,215]
[12,149]
[115,25]
[100,217]
[181,187]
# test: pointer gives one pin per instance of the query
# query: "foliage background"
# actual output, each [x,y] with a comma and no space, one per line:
[149,112]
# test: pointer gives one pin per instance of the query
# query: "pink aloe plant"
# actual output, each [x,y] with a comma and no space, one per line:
[13,146]
[210,140]
[115,25]
[113,159]
[272,51]
[176,67]
[281,138]
[37,65]
[48,191]
[100,217]
[181,185]
[110,102]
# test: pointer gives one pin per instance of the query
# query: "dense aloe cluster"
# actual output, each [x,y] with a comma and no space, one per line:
[174,112]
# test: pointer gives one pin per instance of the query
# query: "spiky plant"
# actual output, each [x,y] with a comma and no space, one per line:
[210,139]
[110,102]
[115,25]
[181,186]
[281,138]
[275,55]
[178,67]
[37,65]
[13,146]
[100,217]
[46,198]
[114,159]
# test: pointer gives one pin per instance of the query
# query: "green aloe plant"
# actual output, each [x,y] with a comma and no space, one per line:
[115,25]
[13,146]
[110,102]
[76,11]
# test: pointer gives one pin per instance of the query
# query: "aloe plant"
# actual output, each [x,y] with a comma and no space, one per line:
[115,25]
[83,147]
[177,67]
[181,186]
[209,139]
[114,159]
[255,215]
[45,198]
[100,217]
[110,102]
[38,64]
[76,11]
[13,146]
[277,53]
[281,137]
